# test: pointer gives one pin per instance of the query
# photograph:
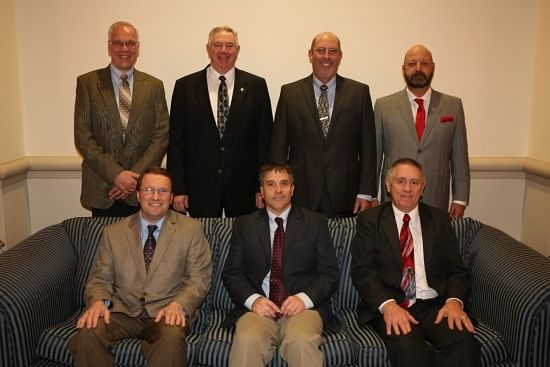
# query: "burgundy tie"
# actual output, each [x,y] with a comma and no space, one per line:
[420,118]
[408,281]
[277,292]
[149,247]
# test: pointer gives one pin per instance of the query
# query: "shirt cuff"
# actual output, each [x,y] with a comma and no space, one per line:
[456,299]
[381,307]
[251,299]
[305,298]
[460,202]
[364,197]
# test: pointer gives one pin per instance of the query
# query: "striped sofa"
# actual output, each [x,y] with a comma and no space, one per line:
[42,279]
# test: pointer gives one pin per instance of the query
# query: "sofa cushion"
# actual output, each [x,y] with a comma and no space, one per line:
[218,297]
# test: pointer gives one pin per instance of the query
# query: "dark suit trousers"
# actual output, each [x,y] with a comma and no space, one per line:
[161,344]
[446,348]
[118,209]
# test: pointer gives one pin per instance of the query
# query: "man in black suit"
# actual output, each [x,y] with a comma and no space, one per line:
[219,134]
[280,300]
[408,270]
[328,136]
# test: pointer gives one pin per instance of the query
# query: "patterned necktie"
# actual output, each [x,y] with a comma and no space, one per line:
[124,101]
[277,292]
[324,116]
[223,106]
[408,280]
[420,118]
[149,247]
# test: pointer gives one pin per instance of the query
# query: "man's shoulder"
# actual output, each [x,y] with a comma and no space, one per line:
[434,214]
[193,77]
[392,98]
[145,76]
[95,74]
[307,216]
[245,75]
[298,83]
[445,98]
[182,221]
[350,83]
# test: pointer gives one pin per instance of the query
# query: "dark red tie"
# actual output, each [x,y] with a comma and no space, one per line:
[420,118]
[277,292]
[149,247]
[408,281]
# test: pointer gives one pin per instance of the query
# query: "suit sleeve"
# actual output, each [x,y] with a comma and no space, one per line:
[100,282]
[367,183]
[92,152]
[378,126]
[460,165]
[176,158]
[279,139]
[265,126]
[159,140]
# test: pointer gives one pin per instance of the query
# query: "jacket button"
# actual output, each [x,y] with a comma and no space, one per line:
[220,171]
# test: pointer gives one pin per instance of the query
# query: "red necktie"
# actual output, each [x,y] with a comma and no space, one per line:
[277,292]
[420,118]
[408,281]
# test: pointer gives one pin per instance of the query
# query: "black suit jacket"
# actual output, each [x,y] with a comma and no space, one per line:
[309,261]
[345,161]
[376,260]
[210,170]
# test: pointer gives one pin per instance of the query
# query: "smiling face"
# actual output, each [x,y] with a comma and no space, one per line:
[222,49]
[405,184]
[325,56]
[123,47]
[154,196]
[277,189]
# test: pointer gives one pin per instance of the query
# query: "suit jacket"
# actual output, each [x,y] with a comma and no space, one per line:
[442,152]
[180,271]
[344,161]
[98,133]
[376,258]
[309,261]
[211,170]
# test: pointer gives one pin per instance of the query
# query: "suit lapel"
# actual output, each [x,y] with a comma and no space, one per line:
[105,85]
[339,101]
[203,101]
[166,233]
[405,109]
[133,241]
[390,229]
[240,91]
[294,223]
[433,114]
[138,98]
[427,234]
[262,226]
[311,103]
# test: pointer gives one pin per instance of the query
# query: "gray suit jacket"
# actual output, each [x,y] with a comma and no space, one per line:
[180,271]
[98,132]
[442,152]
[345,161]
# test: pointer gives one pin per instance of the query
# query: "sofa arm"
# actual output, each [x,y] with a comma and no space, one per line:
[36,284]
[510,292]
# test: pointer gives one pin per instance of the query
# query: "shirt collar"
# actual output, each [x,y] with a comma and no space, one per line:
[317,83]
[214,76]
[283,215]
[116,73]
[426,97]
[413,214]
[144,223]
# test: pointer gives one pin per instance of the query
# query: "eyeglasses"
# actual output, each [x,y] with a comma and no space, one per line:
[150,191]
[120,44]
[322,51]
[220,45]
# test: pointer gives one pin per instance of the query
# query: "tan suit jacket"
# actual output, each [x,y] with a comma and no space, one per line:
[98,132]
[180,271]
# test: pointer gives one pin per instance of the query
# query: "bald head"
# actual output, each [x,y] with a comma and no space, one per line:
[418,69]
[325,36]
[325,55]
[418,51]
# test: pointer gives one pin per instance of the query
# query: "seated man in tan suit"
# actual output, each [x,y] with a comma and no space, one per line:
[152,272]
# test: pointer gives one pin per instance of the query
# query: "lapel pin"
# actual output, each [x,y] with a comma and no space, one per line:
[242,89]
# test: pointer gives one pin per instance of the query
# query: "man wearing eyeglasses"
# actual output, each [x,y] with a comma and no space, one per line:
[324,129]
[151,273]
[220,128]
[427,125]
[120,126]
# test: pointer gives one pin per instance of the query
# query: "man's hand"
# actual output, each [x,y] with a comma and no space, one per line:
[265,307]
[91,316]
[397,319]
[116,193]
[259,201]
[292,306]
[457,210]
[181,203]
[374,203]
[127,181]
[360,205]
[172,315]
[452,310]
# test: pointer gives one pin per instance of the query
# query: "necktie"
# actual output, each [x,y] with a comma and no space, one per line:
[277,292]
[408,281]
[324,116]
[223,106]
[124,101]
[149,247]
[420,118]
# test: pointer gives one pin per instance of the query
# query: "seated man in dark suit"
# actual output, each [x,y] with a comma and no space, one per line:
[280,272]
[407,268]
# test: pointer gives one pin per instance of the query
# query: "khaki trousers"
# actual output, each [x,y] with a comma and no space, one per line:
[298,336]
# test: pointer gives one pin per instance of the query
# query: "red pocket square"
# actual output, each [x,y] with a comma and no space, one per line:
[446,118]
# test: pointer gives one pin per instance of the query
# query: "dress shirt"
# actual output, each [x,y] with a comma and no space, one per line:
[265,283]
[145,231]
[115,78]
[213,80]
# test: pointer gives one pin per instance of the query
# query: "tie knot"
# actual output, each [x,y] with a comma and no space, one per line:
[419,102]
[222,78]
[406,219]
[279,221]
[323,88]
[124,77]
[151,228]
